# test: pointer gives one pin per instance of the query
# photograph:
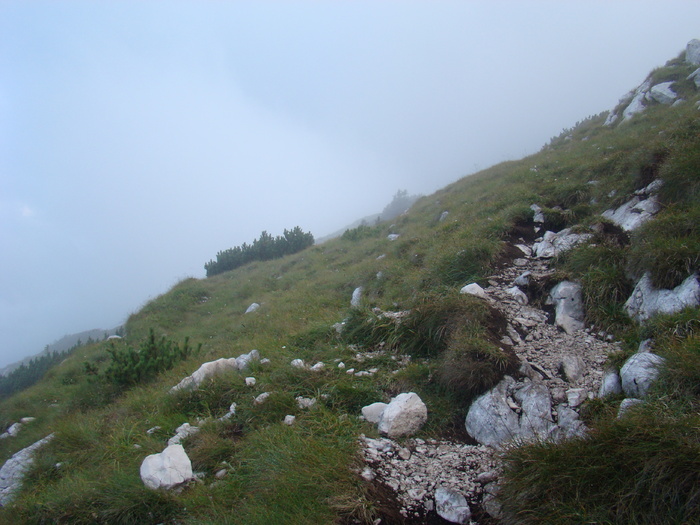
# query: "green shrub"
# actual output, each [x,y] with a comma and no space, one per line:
[130,366]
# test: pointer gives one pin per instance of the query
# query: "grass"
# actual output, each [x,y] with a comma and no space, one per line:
[447,350]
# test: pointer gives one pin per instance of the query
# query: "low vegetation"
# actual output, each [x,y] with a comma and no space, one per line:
[436,342]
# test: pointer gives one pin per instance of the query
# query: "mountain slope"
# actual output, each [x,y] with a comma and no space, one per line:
[306,473]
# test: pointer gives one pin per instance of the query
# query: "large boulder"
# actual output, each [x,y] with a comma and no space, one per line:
[166,470]
[373,413]
[662,93]
[14,469]
[647,301]
[692,52]
[639,372]
[568,304]
[452,506]
[403,416]
[490,420]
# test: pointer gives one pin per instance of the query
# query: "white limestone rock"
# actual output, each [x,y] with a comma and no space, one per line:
[576,396]
[536,404]
[250,381]
[244,360]
[253,307]
[403,416]
[637,105]
[261,398]
[663,94]
[166,470]
[452,506]
[289,420]
[356,299]
[297,363]
[206,371]
[490,420]
[647,301]
[518,295]
[181,432]
[305,402]
[393,236]
[692,52]
[373,413]
[639,372]
[13,471]
[553,244]
[474,289]
[695,77]
[611,384]
[568,303]
[443,215]
[635,212]
[572,368]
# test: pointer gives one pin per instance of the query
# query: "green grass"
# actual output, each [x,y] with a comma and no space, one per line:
[305,473]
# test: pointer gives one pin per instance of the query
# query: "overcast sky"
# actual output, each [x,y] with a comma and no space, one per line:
[137,139]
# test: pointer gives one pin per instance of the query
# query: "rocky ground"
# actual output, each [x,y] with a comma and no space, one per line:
[563,369]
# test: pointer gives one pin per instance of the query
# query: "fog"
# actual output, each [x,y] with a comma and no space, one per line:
[137,139]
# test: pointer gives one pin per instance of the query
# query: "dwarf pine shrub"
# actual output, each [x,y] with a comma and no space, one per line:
[131,366]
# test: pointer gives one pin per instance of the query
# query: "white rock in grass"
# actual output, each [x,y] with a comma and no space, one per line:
[252,308]
[206,371]
[626,404]
[181,432]
[297,363]
[12,472]
[244,360]
[610,385]
[639,372]
[250,381]
[474,289]
[452,506]
[305,402]
[261,398]
[403,416]
[289,420]
[373,413]
[692,52]
[318,366]
[356,299]
[166,470]
[662,93]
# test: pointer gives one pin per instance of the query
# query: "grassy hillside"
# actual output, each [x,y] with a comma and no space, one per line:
[446,351]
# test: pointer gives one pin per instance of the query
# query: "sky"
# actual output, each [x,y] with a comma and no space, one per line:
[137,139]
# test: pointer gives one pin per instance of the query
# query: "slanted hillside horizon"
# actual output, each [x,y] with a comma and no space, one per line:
[458,303]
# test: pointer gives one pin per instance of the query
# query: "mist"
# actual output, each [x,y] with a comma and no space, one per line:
[137,139]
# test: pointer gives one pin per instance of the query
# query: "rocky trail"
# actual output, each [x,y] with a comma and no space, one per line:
[451,482]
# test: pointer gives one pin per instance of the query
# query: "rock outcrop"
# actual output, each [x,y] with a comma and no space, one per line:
[647,301]
[213,368]
[14,469]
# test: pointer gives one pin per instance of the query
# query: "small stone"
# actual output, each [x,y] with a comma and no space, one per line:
[221,473]
[297,363]
[289,420]
[452,506]
[318,366]
[250,381]
[261,398]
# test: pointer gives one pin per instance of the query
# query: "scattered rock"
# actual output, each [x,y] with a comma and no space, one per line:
[250,381]
[297,363]
[318,366]
[252,308]
[576,396]
[244,360]
[523,279]
[403,416]
[474,289]
[517,294]
[443,216]
[181,432]
[166,470]
[305,402]
[289,420]
[695,77]
[639,372]
[261,398]
[393,236]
